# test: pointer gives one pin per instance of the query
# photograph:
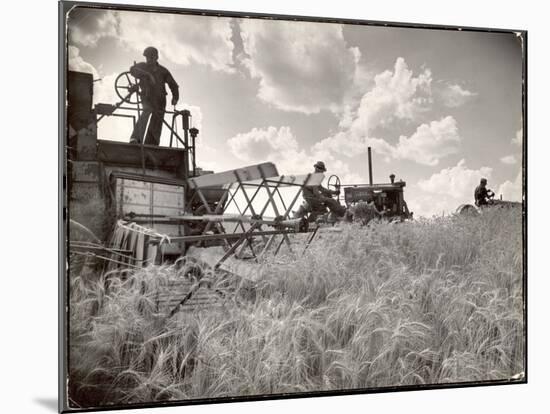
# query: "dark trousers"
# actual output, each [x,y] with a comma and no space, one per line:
[333,205]
[156,112]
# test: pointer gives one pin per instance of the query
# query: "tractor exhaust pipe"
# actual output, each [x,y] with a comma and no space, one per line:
[370,165]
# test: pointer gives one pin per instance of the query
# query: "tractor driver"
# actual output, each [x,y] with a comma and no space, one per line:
[482,194]
[317,198]
[152,78]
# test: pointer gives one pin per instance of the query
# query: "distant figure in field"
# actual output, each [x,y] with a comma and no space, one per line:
[318,198]
[364,212]
[152,78]
[482,194]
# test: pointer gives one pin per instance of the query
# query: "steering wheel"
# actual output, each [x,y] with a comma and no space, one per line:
[334,183]
[491,197]
[125,87]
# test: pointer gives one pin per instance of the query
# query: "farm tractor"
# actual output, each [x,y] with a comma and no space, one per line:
[388,199]
[472,209]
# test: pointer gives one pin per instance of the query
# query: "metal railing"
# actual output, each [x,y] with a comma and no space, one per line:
[187,141]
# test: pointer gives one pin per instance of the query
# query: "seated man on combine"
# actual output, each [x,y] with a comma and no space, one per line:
[318,199]
[482,194]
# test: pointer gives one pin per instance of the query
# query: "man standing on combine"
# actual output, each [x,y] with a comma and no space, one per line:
[152,78]
[318,198]
[482,194]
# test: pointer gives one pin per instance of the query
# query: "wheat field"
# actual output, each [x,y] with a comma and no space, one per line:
[422,302]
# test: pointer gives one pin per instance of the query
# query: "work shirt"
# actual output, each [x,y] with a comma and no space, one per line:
[481,194]
[154,92]
[315,194]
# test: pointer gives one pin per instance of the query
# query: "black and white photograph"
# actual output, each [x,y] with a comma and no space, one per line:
[267,206]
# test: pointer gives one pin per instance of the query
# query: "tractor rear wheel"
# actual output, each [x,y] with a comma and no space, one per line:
[467,210]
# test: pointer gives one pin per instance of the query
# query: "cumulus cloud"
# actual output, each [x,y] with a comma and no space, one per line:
[518,139]
[430,205]
[509,160]
[77,63]
[457,182]
[181,39]
[445,190]
[104,90]
[280,146]
[427,145]
[261,144]
[512,190]
[303,67]
[454,95]
[88,26]
[395,95]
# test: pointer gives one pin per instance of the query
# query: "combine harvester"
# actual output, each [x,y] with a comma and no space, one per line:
[131,205]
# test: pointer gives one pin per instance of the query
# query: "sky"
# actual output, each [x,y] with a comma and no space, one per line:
[440,108]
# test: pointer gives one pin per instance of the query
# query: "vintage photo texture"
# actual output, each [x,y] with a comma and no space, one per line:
[266,206]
